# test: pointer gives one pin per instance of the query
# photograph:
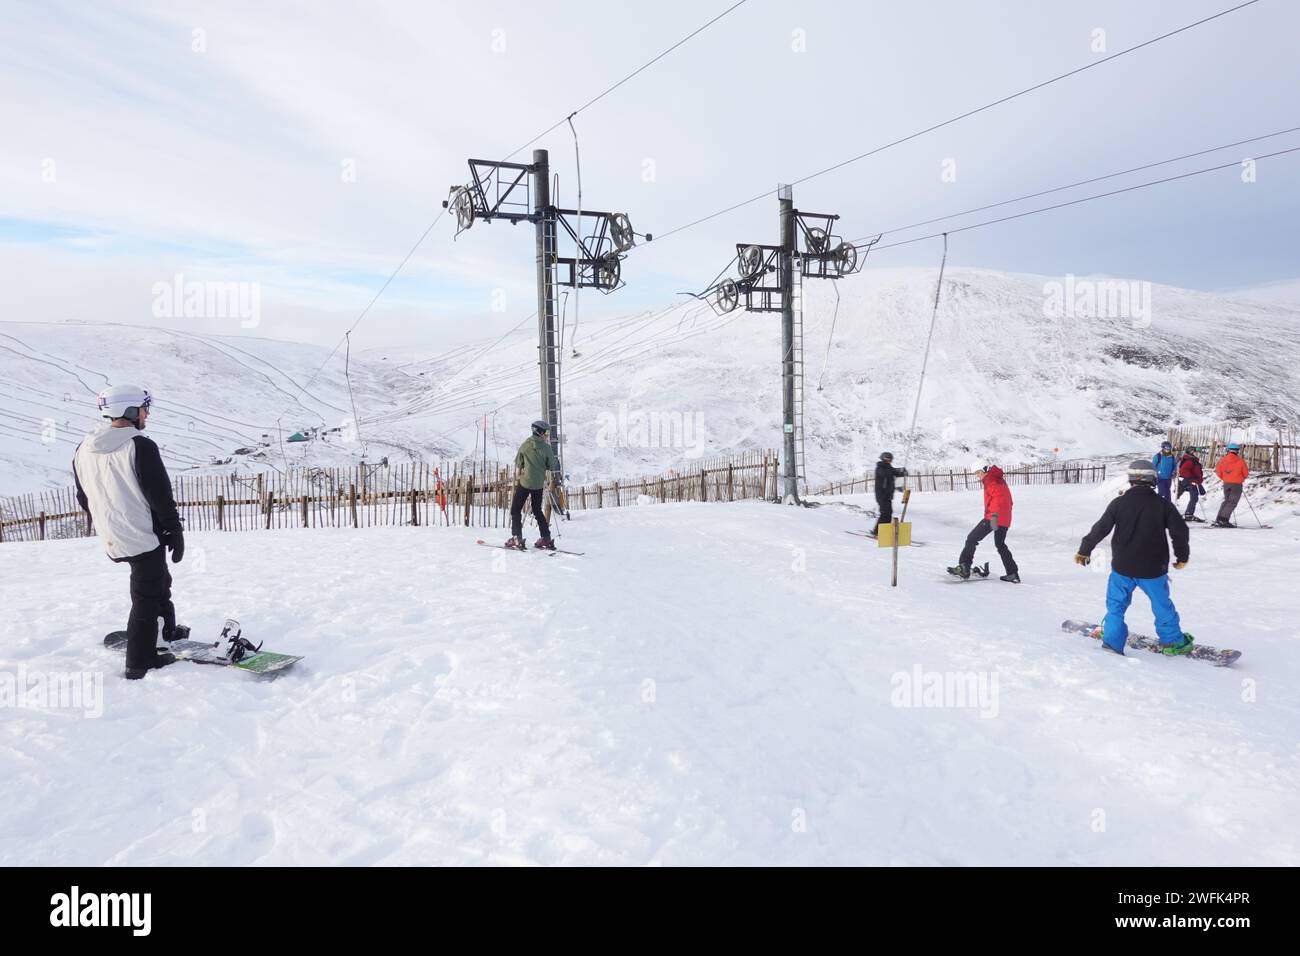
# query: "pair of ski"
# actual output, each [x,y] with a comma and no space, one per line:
[868,534]
[1218,656]
[231,649]
[550,551]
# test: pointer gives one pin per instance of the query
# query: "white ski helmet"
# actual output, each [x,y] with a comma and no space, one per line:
[123,401]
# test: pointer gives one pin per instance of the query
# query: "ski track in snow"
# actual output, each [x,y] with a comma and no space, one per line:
[462,705]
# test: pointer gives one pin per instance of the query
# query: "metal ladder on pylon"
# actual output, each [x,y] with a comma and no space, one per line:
[796,293]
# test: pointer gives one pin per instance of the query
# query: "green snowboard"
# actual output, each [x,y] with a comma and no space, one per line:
[230,650]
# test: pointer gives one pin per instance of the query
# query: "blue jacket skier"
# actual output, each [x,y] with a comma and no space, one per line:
[1166,465]
[1140,520]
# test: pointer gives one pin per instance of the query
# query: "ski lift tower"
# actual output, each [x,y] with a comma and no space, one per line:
[771,280]
[521,192]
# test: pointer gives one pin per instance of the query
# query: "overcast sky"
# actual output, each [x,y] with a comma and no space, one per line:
[305,146]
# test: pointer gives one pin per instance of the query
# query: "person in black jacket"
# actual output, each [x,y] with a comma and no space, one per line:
[885,475]
[123,485]
[1140,519]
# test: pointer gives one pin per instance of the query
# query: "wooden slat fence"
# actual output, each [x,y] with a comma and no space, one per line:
[1280,455]
[960,480]
[415,493]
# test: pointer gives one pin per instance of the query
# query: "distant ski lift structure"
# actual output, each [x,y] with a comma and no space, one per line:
[771,280]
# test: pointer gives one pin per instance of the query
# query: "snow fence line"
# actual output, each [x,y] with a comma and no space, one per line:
[465,494]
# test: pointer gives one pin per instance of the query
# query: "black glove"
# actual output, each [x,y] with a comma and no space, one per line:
[903,472]
[1201,490]
[176,545]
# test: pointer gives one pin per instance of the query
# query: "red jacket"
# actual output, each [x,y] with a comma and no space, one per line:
[1190,470]
[997,497]
[1231,469]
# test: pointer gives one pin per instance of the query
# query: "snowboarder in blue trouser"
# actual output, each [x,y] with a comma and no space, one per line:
[1166,466]
[1141,520]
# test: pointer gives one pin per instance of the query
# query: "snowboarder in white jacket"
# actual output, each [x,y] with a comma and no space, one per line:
[123,485]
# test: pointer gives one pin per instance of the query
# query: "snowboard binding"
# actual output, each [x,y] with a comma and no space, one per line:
[232,646]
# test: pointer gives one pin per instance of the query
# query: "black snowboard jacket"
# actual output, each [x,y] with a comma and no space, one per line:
[1140,519]
[885,475]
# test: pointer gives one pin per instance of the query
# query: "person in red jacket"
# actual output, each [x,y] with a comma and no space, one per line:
[1191,479]
[997,520]
[1232,471]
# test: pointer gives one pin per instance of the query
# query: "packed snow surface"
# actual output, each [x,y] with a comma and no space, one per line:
[721,683]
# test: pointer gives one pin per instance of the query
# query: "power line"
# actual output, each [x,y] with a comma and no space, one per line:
[1082,182]
[1083,199]
[948,122]
[644,66]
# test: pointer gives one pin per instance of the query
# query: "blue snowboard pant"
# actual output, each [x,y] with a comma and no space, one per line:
[1162,487]
[1119,595]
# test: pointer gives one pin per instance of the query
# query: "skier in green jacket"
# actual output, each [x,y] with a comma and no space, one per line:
[534,459]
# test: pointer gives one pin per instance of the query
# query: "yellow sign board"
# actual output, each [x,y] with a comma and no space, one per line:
[886,538]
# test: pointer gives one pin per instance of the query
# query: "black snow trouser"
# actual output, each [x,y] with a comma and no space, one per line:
[151,598]
[523,494]
[978,534]
[885,512]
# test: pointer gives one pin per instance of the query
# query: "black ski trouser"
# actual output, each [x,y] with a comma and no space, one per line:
[978,534]
[523,494]
[884,512]
[151,598]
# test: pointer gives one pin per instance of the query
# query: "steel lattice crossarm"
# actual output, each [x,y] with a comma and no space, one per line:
[496,190]
[597,264]
[821,255]
[825,256]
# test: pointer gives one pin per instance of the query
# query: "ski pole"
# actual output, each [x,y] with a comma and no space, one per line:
[1252,507]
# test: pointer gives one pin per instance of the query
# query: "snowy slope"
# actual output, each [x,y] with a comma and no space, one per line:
[1004,382]
[653,704]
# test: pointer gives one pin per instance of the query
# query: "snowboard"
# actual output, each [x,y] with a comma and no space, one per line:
[227,651]
[1219,657]
[978,572]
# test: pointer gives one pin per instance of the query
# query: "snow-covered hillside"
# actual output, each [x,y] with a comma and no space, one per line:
[647,392]
[709,684]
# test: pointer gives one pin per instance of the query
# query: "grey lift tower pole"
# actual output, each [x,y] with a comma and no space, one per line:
[790,489]
[766,283]
[548,346]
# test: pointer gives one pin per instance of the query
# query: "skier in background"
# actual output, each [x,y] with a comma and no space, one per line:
[1232,471]
[1191,479]
[534,459]
[885,475]
[1140,559]
[123,485]
[1166,466]
[997,519]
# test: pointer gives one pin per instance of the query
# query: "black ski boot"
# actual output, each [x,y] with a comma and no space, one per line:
[161,659]
[544,544]
[962,571]
[1218,523]
[179,632]
[1012,578]
[516,544]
